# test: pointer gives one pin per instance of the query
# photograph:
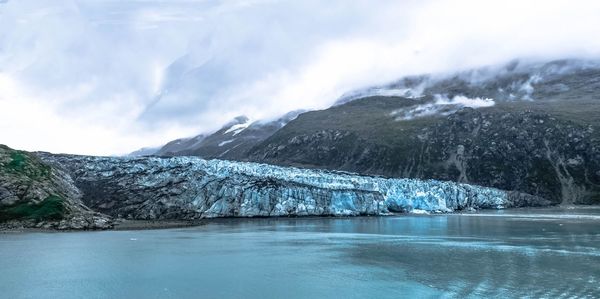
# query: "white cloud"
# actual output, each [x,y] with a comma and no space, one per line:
[32,121]
[107,77]
[442,105]
[466,102]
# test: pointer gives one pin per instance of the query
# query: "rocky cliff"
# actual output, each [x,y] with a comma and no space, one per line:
[190,188]
[34,194]
[530,151]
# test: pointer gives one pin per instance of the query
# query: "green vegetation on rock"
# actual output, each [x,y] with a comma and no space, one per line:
[28,190]
[22,163]
[51,208]
[18,161]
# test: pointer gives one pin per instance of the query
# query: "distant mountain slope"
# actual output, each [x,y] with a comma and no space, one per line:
[178,145]
[515,80]
[232,141]
[145,151]
[567,87]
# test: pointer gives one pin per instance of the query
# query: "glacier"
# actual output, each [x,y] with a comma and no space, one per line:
[192,188]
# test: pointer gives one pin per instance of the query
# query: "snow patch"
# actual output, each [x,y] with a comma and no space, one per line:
[226,142]
[236,129]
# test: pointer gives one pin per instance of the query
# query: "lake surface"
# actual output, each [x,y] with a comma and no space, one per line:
[550,253]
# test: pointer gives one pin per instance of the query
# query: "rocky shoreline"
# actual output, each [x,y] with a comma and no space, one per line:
[116,225]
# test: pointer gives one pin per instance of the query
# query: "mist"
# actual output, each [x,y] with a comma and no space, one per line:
[108,77]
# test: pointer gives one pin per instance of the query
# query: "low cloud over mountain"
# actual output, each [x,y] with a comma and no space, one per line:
[106,77]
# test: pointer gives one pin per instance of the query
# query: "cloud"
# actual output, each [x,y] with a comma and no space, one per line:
[107,77]
[442,105]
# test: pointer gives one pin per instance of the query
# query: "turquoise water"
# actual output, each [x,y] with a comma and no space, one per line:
[536,253]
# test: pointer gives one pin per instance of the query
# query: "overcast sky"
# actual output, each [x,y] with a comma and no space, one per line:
[110,76]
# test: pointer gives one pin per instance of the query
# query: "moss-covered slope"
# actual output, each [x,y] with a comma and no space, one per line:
[35,194]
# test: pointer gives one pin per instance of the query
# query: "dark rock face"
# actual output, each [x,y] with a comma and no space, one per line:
[34,194]
[531,152]
[185,188]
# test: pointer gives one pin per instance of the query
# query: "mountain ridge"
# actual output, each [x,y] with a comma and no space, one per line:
[378,132]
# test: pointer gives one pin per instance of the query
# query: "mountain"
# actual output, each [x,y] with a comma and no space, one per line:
[568,88]
[36,194]
[530,151]
[145,151]
[232,141]
[515,81]
[179,145]
[529,127]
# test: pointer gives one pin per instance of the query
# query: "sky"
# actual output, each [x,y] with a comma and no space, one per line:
[106,77]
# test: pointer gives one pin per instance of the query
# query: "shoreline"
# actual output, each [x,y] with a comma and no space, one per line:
[134,225]
[125,224]
[119,225]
